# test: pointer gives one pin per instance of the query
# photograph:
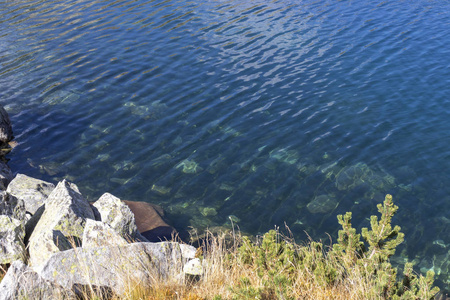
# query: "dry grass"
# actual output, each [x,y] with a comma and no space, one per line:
[227,277]
[274,267]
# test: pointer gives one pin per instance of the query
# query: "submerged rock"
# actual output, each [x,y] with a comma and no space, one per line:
[61,225]
[150,221]
[208,211]
[61,96]
[322,204]
[21,282]
[162,190]
[154,111]
[51,168]
[351,176]
[189,166]
[287,156]
[12,233]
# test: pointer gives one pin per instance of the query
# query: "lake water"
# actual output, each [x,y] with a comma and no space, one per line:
[264,112]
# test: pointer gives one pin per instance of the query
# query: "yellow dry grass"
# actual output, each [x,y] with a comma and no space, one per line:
[225,276]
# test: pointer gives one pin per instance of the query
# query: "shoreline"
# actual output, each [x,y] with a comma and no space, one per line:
[61,247]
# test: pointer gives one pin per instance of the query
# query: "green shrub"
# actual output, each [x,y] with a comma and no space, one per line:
[277,261]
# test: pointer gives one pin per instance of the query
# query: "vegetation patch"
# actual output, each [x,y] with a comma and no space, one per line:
[273,266]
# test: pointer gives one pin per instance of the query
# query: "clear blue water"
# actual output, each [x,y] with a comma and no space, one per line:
[259,110]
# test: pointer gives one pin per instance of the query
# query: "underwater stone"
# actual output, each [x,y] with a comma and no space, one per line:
[208,211]
[322,204]
[177,141]
[103,157]
[61,96]
[50,168]
[153,111]
[150,221]
[287,156]
[351,176]
[189,166]
[162,190]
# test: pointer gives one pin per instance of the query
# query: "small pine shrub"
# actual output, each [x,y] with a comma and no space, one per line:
[274,260]
[371,258]
[278,262]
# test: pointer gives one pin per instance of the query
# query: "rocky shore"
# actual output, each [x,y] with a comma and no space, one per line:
[55,244]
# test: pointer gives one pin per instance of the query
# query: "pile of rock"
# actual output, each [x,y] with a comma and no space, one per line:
[58,242]
[55,244]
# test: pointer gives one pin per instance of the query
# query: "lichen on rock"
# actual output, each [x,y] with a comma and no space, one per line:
[117,214]
[61,225]
[12,233]
[32,191]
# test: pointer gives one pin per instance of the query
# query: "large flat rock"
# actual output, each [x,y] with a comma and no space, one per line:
[114,267]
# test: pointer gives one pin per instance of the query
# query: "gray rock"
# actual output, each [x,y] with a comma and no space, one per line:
[32,191]
[193,267]
[97,234]
[21,282]
[12,206]
[188,251]
[62,223]
[12,233]
[114,267]
[6,133]
[5,175]
[117,214]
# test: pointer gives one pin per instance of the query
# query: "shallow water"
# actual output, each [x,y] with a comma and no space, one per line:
[268,113]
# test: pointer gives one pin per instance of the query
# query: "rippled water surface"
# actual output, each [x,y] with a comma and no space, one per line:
[265,112]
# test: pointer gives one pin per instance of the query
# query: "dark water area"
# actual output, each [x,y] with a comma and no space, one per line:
[264,112]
